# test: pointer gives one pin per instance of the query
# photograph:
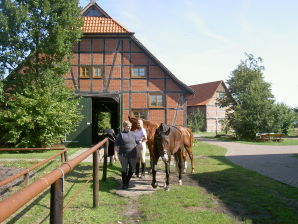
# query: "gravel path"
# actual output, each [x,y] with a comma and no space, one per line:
[276,162]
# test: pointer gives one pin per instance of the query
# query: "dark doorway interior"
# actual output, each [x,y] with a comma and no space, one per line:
[109,106]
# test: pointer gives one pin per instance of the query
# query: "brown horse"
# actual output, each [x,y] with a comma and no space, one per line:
[168,141]
[151,128]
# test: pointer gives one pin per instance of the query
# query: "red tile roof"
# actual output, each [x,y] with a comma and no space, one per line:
[203,93]
[102,25]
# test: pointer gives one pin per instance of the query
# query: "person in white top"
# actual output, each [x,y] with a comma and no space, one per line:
[141,136]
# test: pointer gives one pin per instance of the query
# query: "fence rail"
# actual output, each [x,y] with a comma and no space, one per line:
[30,149]
[25,172]
[55,179]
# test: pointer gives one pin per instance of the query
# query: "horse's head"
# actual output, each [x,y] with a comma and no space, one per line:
[163,141]
[134,122]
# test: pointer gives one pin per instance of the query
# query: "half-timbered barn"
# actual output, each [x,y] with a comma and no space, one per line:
[205,99]
[116,73]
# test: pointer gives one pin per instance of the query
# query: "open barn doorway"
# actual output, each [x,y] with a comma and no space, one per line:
[105,114]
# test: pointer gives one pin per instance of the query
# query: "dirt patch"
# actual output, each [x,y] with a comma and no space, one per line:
[6,172]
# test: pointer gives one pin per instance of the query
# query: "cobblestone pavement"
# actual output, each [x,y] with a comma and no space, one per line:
[276,162]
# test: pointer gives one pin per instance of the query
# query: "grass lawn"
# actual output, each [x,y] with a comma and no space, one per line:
[285,141]
[80,211]
[247,196]
[222,193]
[34,154]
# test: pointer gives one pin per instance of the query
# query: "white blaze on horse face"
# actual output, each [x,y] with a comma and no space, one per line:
[165,157]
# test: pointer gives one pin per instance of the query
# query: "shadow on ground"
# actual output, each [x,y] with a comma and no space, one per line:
[248,195]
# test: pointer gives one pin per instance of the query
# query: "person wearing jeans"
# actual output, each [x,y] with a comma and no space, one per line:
[125,146]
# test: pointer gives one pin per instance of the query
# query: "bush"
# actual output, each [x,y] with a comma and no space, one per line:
[39,116]
[195,120]
[104,121]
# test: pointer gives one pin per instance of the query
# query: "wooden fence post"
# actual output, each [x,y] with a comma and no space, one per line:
[62,157]
[65,156]
[95,179]
[105,162]
[56,207]
[26,179]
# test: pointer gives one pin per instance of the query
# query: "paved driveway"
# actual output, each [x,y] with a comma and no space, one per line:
[276,162]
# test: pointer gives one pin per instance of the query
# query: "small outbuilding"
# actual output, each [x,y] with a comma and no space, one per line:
[205,99]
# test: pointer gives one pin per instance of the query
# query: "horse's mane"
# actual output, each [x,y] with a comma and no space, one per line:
[149,123]
[165,127]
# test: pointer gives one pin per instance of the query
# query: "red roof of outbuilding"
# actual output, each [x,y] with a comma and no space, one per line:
[102,25]
[203,93]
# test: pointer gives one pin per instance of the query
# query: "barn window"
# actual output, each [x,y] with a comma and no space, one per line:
[97,72]
[139,114]
[88,71]
[85,72]
[156,100]
[138,72]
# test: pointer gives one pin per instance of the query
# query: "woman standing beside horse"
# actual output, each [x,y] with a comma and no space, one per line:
[125,146]
[141,137]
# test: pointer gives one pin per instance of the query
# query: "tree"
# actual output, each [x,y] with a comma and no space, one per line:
[104,121]
[249,108]
[35,48]
[284,117]
[39,118]
[195,120]
[1,92]
[296,117]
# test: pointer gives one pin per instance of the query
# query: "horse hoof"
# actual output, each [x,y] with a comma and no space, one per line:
[192,171]
[154,185]
[167,188]
[180,182]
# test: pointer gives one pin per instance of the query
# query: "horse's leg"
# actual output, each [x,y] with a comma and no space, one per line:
[150,147]
[184,161]
[153,167]
[180,166]
[189,151]
[167,166]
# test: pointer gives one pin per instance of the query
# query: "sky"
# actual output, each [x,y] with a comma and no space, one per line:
[203,41]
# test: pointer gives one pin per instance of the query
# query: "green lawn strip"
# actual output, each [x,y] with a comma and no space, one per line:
[182,204]
[247,194]
[285,141]
[80,210]
[34,154]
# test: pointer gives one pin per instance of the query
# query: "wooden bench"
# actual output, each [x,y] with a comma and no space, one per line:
[263,137]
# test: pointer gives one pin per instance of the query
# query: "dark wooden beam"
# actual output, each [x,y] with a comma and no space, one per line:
[112,68]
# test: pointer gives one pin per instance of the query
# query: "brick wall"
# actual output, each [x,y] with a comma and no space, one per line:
[135,91]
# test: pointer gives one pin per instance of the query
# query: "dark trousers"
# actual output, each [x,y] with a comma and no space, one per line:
[128,166]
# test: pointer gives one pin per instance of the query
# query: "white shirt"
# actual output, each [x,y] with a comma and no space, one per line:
[140,134]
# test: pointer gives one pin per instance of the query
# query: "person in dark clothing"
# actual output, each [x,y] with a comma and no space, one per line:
[110,134]
[125,146]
